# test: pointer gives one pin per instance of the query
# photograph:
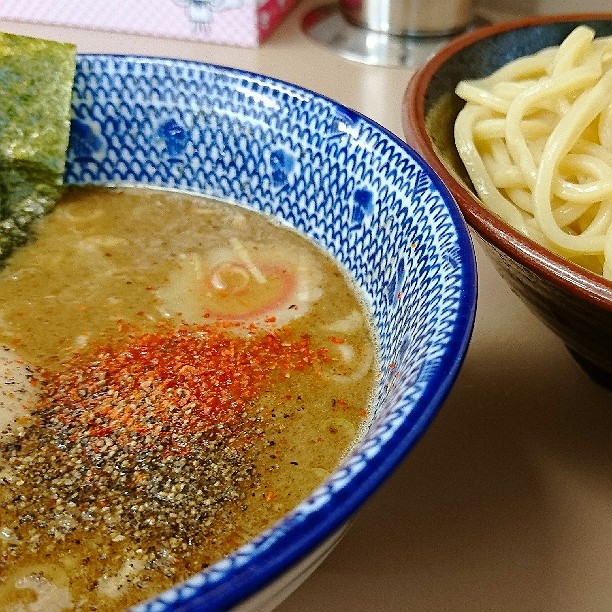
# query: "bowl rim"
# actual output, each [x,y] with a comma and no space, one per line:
[292,542]
[567,275]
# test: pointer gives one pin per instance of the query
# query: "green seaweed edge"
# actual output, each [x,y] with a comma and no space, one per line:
[36,80]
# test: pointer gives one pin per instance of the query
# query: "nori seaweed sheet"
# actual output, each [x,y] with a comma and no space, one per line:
[36,79]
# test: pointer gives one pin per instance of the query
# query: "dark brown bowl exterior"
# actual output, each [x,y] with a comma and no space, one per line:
[573,302]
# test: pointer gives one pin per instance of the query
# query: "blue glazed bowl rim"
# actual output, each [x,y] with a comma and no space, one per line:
[294,544]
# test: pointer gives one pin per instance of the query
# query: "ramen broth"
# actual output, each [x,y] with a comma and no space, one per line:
[176,374]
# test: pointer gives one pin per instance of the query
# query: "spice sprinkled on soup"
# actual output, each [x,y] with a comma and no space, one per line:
[176,374]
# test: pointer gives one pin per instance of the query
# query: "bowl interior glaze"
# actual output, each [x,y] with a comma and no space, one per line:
[358,191]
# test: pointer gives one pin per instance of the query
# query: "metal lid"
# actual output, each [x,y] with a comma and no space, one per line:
[409,17]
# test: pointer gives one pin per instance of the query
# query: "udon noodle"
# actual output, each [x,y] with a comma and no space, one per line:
[536,140]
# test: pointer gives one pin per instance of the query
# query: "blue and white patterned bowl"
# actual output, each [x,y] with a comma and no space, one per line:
[348,184]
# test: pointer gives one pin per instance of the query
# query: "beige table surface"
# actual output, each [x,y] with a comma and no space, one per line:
[506,503]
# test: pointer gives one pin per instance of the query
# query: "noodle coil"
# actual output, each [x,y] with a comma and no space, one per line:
[536,140]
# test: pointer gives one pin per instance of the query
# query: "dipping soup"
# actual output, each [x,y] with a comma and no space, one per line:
[176,374]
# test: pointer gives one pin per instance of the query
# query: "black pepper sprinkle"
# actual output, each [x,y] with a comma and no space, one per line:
[143,476]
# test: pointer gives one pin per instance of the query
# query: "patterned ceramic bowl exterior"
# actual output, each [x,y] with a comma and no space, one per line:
[574,303]
[355,189]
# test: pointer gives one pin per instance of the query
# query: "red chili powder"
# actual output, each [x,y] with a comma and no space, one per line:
[174,383]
